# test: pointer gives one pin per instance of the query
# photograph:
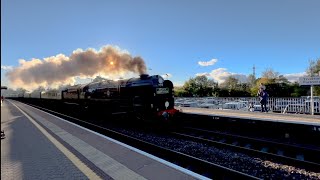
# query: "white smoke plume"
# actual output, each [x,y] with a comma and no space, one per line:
[61,69]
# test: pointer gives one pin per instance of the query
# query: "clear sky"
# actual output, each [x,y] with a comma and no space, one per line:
[171,36]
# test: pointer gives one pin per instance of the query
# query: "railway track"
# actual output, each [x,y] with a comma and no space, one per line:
[295,155]
[205,168]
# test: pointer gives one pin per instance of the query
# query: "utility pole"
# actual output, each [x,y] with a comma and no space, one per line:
[254,71]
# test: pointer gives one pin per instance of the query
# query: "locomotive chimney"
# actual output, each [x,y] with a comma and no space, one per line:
[144,76]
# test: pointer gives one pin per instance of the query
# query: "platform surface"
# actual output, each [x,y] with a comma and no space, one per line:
[270,116]
[41,146]
[26,153]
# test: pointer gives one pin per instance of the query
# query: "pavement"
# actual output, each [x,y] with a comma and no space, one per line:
[26,153]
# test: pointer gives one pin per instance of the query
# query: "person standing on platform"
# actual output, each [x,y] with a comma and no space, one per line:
[263,99]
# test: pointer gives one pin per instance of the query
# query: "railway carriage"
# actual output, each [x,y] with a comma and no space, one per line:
[51,94]
[26,95]
[35,95]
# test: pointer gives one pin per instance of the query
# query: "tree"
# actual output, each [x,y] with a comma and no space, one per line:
[199,86]
[314,67]
[279,90]
[270,74]
[180,92]
[232,88]
[251,80]
[313,70]
[276,85]
[230,83]
[218,92]
[282,79]
[298,91]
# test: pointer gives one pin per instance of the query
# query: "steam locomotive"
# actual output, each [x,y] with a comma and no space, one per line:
[146,97]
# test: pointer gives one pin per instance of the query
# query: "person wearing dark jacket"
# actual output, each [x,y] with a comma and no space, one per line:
[263,100]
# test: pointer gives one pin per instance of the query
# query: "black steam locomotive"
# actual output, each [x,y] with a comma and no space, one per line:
[146,97]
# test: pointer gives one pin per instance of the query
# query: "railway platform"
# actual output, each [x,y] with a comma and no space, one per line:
[256,116]
[299,129]
[42,146]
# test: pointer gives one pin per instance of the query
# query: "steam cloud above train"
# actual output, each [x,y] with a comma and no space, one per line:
[59,70]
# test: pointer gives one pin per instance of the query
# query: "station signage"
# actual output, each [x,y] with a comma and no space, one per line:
[309,80]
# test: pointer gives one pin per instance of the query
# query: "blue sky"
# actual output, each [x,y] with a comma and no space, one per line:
[171,36]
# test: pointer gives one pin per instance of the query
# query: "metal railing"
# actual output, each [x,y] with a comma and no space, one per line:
[299,105]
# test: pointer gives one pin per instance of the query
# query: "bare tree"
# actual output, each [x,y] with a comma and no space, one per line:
[270,74]
[314,67]
[314,70]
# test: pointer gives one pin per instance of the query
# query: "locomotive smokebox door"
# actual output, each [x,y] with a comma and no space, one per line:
[166,104]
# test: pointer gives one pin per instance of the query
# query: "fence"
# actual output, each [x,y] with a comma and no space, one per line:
[282,105]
